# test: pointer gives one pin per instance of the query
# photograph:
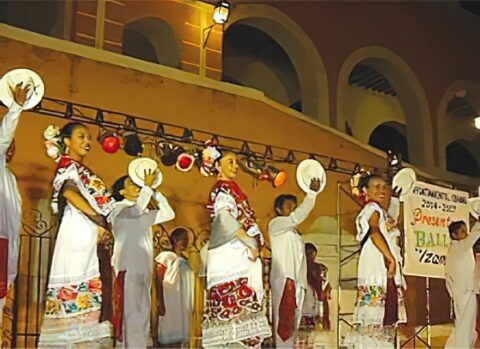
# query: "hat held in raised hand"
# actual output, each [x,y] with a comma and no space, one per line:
[22,77]
[139,167]
[307,170]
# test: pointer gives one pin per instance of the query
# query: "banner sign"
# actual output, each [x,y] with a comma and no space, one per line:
[428,210]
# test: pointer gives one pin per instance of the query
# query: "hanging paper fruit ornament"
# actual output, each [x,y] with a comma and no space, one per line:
[109,141]
[209,155]
[185,162]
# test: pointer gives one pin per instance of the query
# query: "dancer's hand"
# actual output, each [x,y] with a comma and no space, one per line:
[149,177]
[161,307]
[391,269]
[315,184]
[19,94]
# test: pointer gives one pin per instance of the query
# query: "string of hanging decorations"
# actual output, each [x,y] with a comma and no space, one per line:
[118,130]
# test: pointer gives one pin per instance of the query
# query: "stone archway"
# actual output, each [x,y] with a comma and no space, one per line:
[298,46]
[451,128]
[410,94]
[151,39]
[461,158]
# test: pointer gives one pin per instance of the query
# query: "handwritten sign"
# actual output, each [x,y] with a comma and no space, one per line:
[428,211]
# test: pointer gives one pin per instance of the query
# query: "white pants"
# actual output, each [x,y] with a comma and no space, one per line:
[136,325]
[463,334]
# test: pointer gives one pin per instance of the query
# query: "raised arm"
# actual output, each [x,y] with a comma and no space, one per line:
[10,119]
[165,211]
[137,210]
[304,209]
[472,238]
[282,224]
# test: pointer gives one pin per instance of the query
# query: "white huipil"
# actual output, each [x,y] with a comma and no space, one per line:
[133,253]
[178,284]
[460,280]
[10,200]
[288,260]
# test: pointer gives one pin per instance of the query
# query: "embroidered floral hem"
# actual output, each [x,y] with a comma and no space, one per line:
[74,299]
[370,308]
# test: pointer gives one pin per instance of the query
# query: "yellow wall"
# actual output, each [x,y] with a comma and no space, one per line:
[366,110]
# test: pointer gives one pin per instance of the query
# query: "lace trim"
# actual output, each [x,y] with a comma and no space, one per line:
[216,332]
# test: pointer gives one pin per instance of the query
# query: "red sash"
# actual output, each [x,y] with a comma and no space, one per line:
[390,317]
[3,267]
[286,311]
[118,302]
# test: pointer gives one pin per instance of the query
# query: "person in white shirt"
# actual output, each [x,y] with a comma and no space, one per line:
[10,201]
[288,276]
[460,280]
[133,256]
[175,286]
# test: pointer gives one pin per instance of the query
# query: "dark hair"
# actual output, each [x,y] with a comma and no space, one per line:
[67,131]
[117,187]
[365,181]
[177,234]
[282,198]
[454,227]
[310,246]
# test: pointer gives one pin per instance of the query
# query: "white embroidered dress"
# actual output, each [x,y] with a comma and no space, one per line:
[372,285]
[74,293]
[227,265]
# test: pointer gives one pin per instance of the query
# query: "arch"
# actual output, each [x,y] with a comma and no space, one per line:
[450,128]
[390,136]
[261,74]
[44,17]
[302,52]
[151,39]
[411,96]
[461,159]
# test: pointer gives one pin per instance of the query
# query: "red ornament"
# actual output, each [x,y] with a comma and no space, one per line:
[185,162]
[109,142]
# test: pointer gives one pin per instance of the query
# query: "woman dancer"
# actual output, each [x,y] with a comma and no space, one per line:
[74,291]
[380,306]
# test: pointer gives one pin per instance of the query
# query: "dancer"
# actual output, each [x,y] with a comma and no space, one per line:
[10,201]
[133,256]
[315,308]
[459,278]
[233,312]
[74,292]
[175,284]
[380,306]
[288,275]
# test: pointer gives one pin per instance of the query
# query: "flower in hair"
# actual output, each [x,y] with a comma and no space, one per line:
[52,138]
[51,132]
